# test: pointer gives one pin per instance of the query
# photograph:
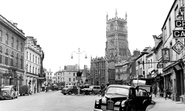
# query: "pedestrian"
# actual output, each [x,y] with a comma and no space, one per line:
[166,93]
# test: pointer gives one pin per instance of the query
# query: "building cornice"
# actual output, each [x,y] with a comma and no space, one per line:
[12,27]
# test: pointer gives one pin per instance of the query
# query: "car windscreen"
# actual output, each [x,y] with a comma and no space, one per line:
[5,88]
[117,90]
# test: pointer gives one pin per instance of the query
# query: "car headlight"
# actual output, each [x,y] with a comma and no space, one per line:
[123,103]
[97,102]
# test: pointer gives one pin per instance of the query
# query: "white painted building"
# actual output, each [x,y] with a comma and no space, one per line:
[33,53]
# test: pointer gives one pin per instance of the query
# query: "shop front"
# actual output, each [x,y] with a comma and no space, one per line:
[173,80]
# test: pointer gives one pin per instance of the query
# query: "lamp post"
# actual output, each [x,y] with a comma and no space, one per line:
[78,77]
[79,56]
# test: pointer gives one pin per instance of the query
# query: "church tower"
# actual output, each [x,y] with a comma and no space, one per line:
[117,38]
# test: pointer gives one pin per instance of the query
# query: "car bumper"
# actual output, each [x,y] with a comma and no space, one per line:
[106,110]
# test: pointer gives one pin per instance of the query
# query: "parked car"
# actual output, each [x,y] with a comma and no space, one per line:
[95,89]
[85,89]
[24,90]
[70,90]
[54,87]
[123,98]
[8,92]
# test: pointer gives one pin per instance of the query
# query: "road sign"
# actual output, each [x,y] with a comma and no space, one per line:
[179,23]
[178,47]
[178,33]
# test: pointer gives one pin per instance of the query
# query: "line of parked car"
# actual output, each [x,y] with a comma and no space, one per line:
[85,89]
[8,92]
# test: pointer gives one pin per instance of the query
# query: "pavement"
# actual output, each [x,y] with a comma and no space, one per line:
[166,105]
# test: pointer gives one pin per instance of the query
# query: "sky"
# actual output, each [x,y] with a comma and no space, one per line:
[63,26]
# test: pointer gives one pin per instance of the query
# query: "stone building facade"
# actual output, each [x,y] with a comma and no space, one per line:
[33,55]
[117,38]
[12,41]
[116,44]
[98,70]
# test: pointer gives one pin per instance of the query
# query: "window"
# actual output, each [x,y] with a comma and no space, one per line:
[118,76]
[69,79]
[22,47]
[17,45]
[1,58]
[73,74]
[6,38]
[6,52]
[30,56]
[165,36]
[73,79]
[12,41]
[21,62]
[1,49]
[27,55]
[36,59]
[170,26]
[11,62]
[6,60]
[35,70]
[0,35]
[17,59]
[33,58]
[30,69]
[38,70]
[12,55]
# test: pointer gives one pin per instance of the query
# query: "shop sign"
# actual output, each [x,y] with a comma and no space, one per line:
[178,47]
[178,33]
[165,55]
[179,23]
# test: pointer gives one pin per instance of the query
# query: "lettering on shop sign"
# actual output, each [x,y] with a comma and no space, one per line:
[179,23]
[178,33]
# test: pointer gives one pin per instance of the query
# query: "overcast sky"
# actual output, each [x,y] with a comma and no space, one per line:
[63,26]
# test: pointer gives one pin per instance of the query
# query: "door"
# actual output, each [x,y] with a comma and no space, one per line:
[142,99]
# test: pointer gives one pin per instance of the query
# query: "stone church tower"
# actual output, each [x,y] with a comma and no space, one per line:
[117,43]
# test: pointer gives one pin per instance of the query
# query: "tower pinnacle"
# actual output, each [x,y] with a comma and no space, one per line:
[107,16]
[116,13]
[125,15]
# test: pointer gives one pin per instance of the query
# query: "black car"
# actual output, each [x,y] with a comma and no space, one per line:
[123,98]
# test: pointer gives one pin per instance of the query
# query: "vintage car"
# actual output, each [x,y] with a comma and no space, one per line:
[123,98]
[54,87]
[95,89]
[85,89]
[8,92]
[24,90]
[70,90]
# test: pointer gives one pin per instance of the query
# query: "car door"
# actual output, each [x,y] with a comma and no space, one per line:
[141,96]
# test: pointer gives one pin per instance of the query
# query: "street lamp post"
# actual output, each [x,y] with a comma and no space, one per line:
[79,56]
[78,78]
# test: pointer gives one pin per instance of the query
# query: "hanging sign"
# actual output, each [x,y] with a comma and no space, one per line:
[178,47]
[165,55]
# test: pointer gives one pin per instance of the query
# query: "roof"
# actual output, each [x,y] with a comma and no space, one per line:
[117,85]
[169,13]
